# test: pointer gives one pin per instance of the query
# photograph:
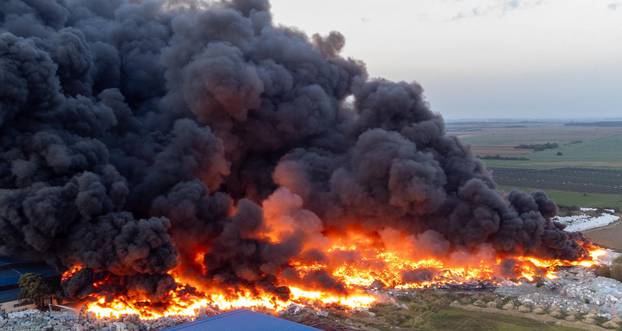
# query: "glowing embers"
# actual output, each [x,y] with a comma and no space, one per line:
[533,266]
[365,262]
[183,303]
[175,303]
[71,272]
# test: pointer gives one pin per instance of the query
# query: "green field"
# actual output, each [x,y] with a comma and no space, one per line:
[604,152]
[598,147]
[578,199]
[584,180]
[584,171]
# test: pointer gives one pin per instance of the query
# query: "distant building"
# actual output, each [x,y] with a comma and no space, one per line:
[10,271]
[242,320]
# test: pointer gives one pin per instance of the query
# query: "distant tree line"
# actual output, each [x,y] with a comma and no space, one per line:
[513,126]
[606,124]
[501,157]
[538,147]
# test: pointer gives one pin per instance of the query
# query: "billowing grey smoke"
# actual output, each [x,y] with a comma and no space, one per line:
[133,132]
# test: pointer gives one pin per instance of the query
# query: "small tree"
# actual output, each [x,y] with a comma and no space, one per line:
[34,288]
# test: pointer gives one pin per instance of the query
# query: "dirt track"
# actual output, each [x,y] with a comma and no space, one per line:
[609,236]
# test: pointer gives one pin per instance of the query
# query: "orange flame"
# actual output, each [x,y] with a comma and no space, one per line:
[71,272]
[371,265]
[191,305]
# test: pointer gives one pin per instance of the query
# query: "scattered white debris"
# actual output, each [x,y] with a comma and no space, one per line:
[587,209]
[35,320]
[605,292]
[576,289]
[23,313]
[585,222]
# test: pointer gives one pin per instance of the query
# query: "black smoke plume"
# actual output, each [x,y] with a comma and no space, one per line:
[134,131]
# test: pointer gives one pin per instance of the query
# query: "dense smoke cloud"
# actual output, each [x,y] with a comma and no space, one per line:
[135,133]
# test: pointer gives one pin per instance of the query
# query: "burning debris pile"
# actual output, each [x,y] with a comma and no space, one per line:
[170,155]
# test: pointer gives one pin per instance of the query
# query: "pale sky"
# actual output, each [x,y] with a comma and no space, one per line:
[483,58]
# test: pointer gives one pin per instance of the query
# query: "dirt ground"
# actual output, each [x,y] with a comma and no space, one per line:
[540,318]
[609,236]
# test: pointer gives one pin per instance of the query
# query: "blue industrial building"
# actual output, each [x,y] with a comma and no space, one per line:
[242,320]
[11,270]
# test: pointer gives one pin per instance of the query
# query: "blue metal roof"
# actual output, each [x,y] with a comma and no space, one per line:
[242,320]
[10,276]
[6,261]
[9,295]
[11,269]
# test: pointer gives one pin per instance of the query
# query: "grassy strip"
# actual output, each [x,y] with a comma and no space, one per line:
[458,319]
[552,164]
[562,179]
[578,199]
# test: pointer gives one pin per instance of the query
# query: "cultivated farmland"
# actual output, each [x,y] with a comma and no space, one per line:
[584,170]
[562,179]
